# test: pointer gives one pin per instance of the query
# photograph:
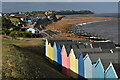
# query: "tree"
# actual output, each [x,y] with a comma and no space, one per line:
[8,26]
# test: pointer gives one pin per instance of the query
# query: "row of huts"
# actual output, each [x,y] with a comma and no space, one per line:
[84,59]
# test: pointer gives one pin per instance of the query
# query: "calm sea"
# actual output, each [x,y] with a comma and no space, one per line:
[97,7]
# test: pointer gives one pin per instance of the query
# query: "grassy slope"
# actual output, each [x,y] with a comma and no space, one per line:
[25,59]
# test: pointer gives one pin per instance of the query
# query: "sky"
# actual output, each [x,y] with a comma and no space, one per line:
[60,0]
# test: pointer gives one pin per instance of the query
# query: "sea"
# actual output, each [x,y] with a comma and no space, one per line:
[106,29]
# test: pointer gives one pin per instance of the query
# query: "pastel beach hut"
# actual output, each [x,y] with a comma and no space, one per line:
[74,61]
[48,52]
[113,57]
[46,48]
[79,57]
[80,65]
[98,69]
[87,67]
[111,73]
[55,52]
[51,52]
[59,57]
[65,59]
[73,64]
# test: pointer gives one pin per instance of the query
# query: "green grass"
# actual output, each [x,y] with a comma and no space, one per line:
[25,59]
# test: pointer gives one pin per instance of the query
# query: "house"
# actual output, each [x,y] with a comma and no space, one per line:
[98,69]
[12,15]
[110,72]
[30,30]
[73,64]
[48,12]
[87,67]
[29,21]
[65,59]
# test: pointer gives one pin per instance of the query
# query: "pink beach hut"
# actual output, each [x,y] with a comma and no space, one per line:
[65,59]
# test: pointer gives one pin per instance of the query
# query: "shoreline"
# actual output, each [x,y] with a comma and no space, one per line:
[79,29]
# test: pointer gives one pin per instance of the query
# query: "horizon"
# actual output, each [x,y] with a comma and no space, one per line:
[96,7]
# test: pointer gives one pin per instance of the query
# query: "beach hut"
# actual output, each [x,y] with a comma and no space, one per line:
[49,46]
[80,65]
[87,67]
[46,48]
[110,72]
[98,69]
[51,52]
[55,52]
[73,64]
[59,57]
[79,56]
[65,59]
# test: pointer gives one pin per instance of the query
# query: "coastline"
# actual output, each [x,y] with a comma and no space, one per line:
[108,30]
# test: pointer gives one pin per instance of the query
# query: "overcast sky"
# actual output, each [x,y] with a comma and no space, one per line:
[60,0]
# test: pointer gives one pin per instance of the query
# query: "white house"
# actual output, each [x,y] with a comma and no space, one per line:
[30,30]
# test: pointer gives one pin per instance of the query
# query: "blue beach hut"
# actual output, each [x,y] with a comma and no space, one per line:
[59,57]
[87,67]
[110,72]
[98,69]
[80,65]
[55,52]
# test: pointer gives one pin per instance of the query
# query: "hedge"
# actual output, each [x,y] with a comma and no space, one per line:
[21,34]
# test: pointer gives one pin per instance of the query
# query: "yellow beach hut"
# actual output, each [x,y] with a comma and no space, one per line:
[73,65]
[51,52]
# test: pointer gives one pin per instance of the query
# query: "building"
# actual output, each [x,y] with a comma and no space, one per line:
[73,64]
[81,59]
[30,30]
[98,69]
[65,60]
[80,65]
[46,49]
[55,52]
[87,67]
[59,57]
[110,72]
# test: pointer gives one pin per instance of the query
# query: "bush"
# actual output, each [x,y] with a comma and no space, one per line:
[21,34]
[12,34]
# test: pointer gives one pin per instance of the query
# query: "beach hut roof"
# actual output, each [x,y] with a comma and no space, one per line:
[117,68]
[90,50]
[99,61]
[58,39]
[68,48]
[104,45]
[77,52]
[106,58]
